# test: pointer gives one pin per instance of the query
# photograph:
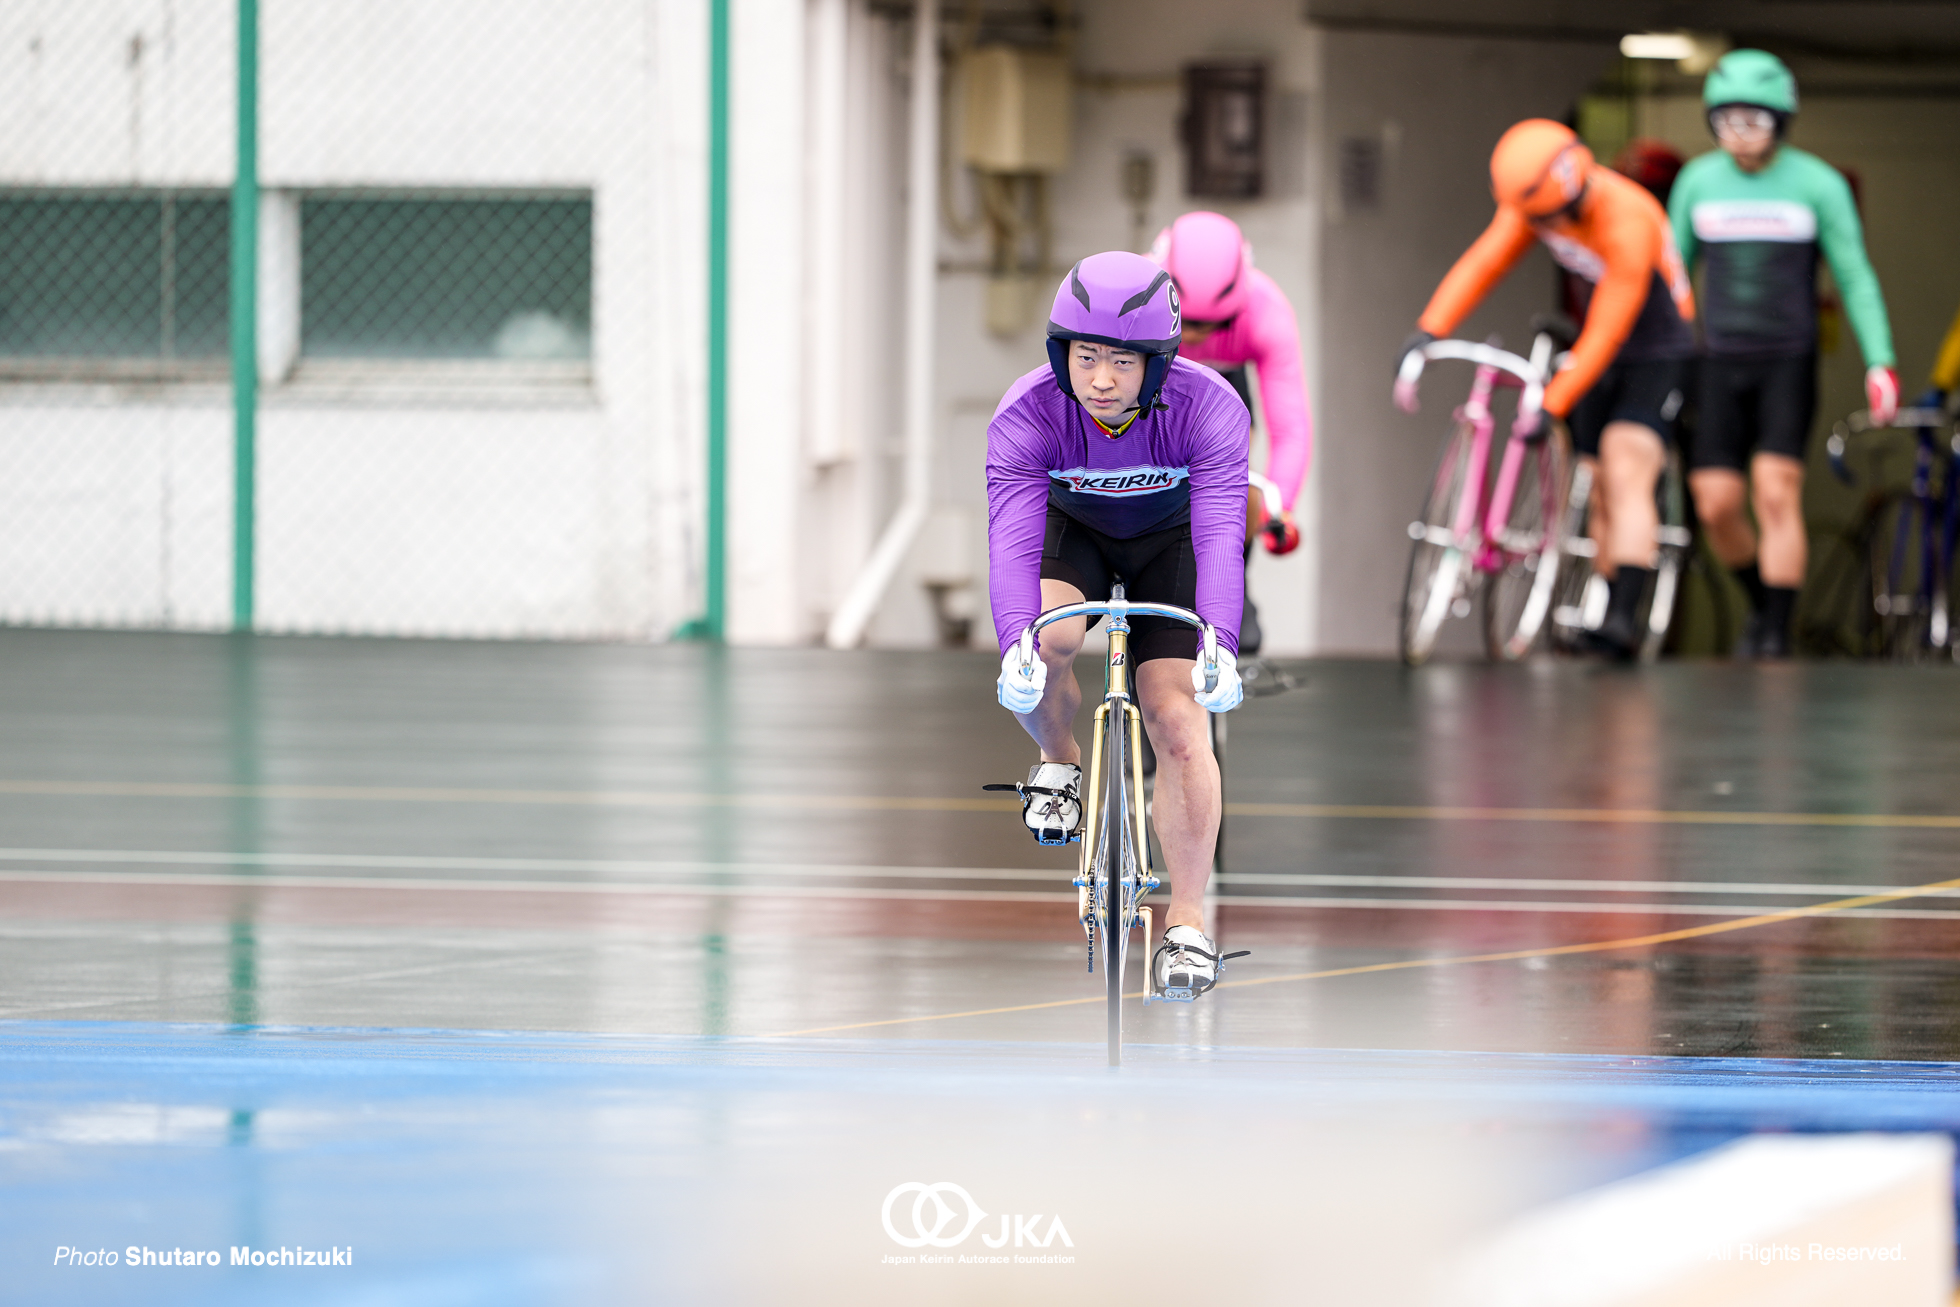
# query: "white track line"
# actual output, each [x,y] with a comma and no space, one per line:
[173,857]
[450,885]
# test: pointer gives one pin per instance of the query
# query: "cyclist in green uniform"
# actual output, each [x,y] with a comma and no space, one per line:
[1756,213]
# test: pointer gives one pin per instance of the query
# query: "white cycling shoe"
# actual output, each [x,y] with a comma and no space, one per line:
[1051,801]
[1188,963]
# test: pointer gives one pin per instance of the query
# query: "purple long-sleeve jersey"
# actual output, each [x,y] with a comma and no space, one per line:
[1185,462]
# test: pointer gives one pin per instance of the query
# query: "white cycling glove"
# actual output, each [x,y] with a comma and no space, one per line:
[1229,691]
[1020,685]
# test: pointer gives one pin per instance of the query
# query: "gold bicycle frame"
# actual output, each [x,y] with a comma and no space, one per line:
[1120,889]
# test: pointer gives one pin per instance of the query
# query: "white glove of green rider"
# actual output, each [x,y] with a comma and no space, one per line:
[1020,686]
[1225,695]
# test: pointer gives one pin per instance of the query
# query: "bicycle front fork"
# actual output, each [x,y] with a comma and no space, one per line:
[1103,843]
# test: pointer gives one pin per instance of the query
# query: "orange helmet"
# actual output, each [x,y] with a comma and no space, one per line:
[1539,166]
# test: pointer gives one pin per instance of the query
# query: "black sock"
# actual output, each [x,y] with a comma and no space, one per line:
[1779,606]
[1623,595]
[1752,582]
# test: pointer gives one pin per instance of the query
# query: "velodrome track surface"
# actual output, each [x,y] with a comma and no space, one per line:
[539,970]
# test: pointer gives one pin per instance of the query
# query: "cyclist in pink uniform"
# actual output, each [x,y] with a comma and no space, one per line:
[1235,314]
[1119,461]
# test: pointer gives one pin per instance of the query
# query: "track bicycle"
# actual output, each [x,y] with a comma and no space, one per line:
[1500,534]
[1905,539]
[1115,871]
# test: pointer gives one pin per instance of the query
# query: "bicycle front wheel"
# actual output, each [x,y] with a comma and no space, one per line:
[1120,864]
[1900,579]
[1519,596]
[1437,560]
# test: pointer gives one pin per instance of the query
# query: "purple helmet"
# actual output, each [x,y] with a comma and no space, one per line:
[1118,299]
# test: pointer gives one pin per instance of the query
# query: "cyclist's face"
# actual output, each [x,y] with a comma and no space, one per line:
[1107,380]
[1197,333]
[1748,134]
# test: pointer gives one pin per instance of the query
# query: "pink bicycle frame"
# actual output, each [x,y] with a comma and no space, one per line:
[1479,520]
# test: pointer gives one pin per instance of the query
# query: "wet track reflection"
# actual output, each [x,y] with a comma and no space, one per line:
[548,971]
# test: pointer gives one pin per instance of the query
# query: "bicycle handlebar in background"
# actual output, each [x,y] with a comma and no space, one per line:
[1531,373]
[1118,606]
[1906,419]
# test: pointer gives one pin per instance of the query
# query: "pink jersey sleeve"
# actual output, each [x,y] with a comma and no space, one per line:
[1275,352]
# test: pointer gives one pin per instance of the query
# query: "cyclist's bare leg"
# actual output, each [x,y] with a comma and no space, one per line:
[1720,493]
[1776,483]
[1630,461]
[1052,723]
[1186,807]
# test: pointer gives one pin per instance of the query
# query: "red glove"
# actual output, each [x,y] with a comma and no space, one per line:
[1280,535]
[1882,395]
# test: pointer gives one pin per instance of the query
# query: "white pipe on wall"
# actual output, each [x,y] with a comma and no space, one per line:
[921,277]
[829,70]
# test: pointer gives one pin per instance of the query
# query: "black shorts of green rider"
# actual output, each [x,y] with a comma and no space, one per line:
[1647,392]
[1159,567]
[1751,406]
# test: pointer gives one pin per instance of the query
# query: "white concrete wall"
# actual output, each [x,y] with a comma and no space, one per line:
[398,502]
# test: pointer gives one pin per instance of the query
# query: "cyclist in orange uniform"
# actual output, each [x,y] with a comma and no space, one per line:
[1623,387]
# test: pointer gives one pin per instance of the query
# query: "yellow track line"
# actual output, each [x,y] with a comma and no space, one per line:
[902,803]
[1556,950]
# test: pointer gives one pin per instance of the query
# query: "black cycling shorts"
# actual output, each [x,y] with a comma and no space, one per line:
[1161,567]
[1648,392]
[1759,405]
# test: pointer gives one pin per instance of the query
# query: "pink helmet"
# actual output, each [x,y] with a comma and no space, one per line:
[1209,258]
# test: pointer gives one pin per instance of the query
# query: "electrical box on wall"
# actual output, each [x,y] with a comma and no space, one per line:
[1225,130]
[1016,109]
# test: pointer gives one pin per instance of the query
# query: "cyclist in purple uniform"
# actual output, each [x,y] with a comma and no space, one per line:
[1120,461]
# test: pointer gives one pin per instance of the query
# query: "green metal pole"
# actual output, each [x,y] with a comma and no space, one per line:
[245,322]
[711,624]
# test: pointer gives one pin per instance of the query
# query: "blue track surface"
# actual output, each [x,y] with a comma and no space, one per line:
[489,1167]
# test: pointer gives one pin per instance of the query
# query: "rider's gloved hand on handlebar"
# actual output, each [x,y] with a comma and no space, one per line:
[1020,685]
[1280,534]
[1536,427]
[1405,394]
[1229,690]
[1882,395]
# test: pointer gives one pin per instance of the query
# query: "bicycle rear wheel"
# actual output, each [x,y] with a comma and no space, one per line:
[1579,595]
[1670,558]
[1437,561]
[1518,598]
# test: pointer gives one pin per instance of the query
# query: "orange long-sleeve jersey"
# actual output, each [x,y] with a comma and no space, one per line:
[1620,244]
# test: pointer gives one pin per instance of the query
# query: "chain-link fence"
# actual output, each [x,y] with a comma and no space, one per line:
[454,238]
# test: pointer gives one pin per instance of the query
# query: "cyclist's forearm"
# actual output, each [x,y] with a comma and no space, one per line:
[1481,267]
[1616,305]
[1289,426]
[1016,520]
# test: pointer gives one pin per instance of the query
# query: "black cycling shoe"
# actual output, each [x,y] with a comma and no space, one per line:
[1749,644]
[1616,642]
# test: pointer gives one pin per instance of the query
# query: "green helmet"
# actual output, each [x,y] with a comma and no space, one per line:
[1754,77]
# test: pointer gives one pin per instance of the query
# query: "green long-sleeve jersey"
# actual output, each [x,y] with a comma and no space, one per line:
[1760,234]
